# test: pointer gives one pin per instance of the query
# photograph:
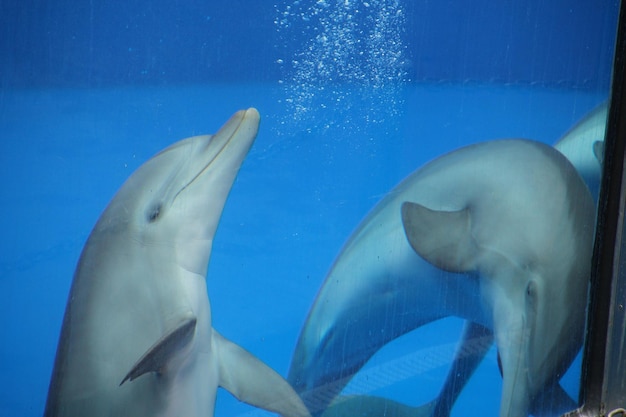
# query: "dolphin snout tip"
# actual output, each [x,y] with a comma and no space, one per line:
[248,115]
[249,118]
[252,112]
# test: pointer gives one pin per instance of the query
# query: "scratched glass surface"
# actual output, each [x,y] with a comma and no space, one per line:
[353,97]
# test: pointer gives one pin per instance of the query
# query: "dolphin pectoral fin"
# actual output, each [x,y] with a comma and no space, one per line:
[155,358]
[443,238]
[253,382]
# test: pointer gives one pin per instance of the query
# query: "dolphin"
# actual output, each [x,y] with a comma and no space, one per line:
[136,338]
[520,220]
[583,145]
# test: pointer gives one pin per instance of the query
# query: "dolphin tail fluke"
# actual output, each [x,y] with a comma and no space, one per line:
[253,382]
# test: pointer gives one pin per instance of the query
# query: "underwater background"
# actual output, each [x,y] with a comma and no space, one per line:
[353,96]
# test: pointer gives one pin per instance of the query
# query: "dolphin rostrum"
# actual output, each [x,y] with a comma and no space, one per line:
[137,338]
[499,234]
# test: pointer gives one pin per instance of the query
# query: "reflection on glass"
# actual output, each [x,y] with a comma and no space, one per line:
[616,338]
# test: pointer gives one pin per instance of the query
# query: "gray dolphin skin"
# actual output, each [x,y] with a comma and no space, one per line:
[137,338]
[583,145]
[498,233]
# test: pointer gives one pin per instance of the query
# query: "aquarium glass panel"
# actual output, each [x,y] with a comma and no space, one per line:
[393,215]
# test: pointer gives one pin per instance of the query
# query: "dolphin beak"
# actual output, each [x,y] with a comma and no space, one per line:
[244,123]
[235,137]
[224,150]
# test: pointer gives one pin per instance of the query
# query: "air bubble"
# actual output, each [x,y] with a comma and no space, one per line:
[356,47]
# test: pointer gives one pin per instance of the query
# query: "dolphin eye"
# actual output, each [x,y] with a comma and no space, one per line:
[532,295]
[531,290]
[154,213]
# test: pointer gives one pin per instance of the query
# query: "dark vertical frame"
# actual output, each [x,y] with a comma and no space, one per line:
[596,391]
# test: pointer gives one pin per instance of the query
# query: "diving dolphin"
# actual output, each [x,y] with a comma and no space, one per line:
[583,146]
[137,338]
[526,253]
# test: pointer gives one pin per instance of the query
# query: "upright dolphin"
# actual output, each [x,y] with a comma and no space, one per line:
[137,338]
[528,248]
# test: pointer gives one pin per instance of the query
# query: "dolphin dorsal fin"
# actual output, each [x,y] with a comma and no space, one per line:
[155,358]
[253,382]
[442,238]
[598,150]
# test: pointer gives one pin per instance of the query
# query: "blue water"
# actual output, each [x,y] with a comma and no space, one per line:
[143,42]
[353,95]
[307,182]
